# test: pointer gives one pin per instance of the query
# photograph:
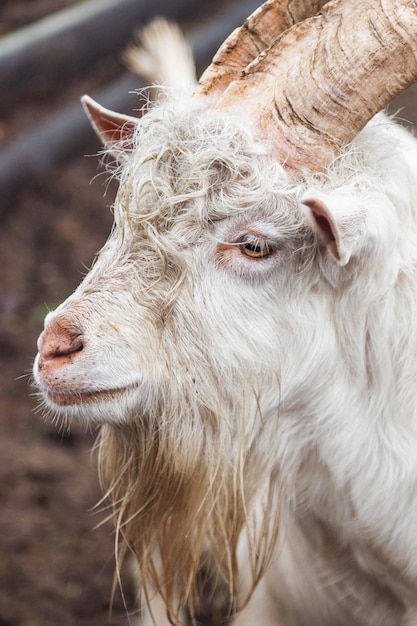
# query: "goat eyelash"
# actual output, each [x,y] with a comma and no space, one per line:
[255,247]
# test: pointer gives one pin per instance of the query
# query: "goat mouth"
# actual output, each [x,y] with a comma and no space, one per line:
[68,398]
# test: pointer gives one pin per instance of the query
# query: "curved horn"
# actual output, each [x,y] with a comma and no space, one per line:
[323,80]
[259,31]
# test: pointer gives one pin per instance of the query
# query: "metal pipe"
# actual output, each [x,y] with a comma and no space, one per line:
[42,57]
[31,156]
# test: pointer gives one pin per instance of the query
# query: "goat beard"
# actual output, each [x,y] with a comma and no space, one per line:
[183,491]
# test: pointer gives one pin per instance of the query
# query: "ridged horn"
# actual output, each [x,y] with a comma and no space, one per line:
[325,78]
[258,32]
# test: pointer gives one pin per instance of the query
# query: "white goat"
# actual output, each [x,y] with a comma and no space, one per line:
[247,335]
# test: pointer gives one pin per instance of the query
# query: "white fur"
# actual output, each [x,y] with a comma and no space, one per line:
[311,363]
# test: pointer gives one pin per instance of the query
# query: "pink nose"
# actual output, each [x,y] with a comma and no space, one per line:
[59,344]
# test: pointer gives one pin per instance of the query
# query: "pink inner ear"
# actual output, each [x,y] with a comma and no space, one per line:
[112,128]
[324,225]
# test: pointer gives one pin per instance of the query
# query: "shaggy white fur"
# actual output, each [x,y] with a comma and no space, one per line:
[248,340]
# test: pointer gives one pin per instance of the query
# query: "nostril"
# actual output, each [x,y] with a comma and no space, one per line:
[64,350]
[79,347]
[59,343]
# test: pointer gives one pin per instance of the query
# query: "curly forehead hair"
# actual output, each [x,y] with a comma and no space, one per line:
[190,164]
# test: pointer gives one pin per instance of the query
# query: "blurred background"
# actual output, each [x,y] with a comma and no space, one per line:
[56,567]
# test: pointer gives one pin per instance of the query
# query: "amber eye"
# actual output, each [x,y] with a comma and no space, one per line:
[255,247]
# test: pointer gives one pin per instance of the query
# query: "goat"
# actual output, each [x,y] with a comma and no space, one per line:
[246,338]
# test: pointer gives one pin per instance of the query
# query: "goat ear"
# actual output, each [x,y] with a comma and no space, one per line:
[114,130]
[338,221]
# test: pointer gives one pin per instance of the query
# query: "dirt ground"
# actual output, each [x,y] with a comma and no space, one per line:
[56,567]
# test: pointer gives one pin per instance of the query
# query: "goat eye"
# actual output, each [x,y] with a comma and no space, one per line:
[254,247]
